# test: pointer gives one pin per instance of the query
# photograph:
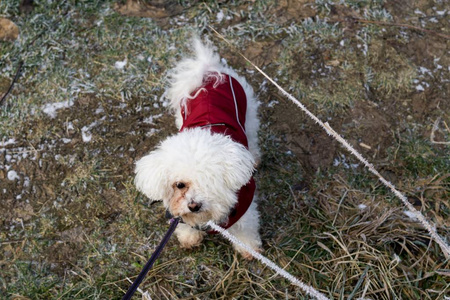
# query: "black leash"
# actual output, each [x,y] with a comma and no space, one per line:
[173,224]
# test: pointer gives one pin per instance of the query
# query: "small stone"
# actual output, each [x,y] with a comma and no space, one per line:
[8,30]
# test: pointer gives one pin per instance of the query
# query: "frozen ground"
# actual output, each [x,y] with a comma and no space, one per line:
[89,102]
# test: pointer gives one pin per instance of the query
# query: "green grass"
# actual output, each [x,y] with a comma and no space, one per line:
[74,227]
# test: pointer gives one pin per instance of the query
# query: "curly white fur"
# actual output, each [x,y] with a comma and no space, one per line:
[199,168]
[215,165]
[188,75]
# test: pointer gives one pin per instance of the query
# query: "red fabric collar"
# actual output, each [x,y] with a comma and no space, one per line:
[222,108]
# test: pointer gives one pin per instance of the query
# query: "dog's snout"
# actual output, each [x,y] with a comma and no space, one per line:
[194,207]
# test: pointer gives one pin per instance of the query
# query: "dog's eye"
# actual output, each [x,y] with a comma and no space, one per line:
[180,185]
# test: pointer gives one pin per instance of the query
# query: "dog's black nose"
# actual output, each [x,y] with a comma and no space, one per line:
[194,207]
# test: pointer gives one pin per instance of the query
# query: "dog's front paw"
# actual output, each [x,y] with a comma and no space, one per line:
[189,237]
[191,241]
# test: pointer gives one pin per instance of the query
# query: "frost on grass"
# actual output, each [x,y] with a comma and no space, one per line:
[91,70]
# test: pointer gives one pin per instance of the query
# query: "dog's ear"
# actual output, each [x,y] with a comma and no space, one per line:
[152,176]
[239,165]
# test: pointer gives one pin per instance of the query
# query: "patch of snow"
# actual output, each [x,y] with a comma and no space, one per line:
[441,12]
[151,119]
[120,64]
[362,206]
[151,132]
[8,142]
[343,161]
[272,103]
[220,16]
[424,70]
[365,49]
[66,141]
[51,108]
[12,175]
[420,88]
[99,110]
[85,131]
[418,12]
[85,134]
[336,162]
[342,43]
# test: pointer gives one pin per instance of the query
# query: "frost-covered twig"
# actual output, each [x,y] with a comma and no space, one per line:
[431,229]
[306,288]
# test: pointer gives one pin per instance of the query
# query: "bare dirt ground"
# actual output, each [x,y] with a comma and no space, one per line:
[72,224]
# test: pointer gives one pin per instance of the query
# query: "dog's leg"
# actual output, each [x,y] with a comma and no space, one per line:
[247,231]
[188,236]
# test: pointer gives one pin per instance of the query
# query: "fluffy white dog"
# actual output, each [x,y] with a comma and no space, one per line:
[205,171]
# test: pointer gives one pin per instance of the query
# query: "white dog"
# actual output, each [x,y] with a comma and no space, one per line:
[205,171]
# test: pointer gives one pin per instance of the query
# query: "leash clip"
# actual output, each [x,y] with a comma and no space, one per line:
[172,218]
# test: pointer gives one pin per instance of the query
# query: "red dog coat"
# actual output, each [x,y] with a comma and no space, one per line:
[222,108]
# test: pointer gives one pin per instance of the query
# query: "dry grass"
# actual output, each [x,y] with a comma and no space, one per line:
[74,227]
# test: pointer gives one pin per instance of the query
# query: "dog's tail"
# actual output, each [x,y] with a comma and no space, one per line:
[189,74]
